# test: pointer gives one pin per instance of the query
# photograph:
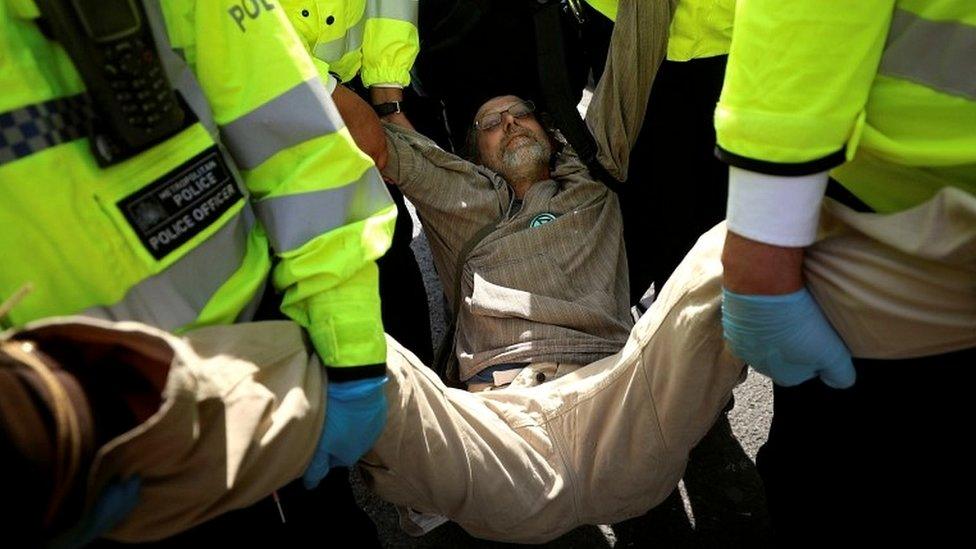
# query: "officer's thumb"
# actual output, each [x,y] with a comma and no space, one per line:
[840,374]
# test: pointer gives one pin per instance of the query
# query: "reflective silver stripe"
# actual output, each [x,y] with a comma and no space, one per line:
[404,10]
[937,54]
[176,296]
[293,220]
[301,113]
[333,50]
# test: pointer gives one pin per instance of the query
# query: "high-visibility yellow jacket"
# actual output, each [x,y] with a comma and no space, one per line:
[881,92]
[699,28]
[168,237]
[375,37]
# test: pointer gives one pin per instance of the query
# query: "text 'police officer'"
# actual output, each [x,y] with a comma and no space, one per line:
[183,224]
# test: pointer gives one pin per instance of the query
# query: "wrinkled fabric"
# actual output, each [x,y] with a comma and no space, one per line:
[600,444]
[242,409]
[898,285]
[548,281]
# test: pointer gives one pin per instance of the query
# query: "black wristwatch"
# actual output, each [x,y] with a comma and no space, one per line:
[393,107]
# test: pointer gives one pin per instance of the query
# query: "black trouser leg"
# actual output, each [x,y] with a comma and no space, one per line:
[676,188]
[888,458]
[404,298]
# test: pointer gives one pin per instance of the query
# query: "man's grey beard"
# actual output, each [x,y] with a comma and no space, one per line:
[526,161]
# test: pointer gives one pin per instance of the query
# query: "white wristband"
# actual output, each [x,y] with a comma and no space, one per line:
[777,210]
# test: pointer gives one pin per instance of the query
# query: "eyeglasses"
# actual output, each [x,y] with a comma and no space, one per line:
[518,110]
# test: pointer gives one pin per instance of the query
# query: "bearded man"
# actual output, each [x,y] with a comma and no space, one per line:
[528,244]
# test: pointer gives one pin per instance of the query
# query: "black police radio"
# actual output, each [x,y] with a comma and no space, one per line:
[112,47]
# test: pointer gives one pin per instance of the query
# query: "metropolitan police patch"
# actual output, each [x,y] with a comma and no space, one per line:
[542,219]
[176,207]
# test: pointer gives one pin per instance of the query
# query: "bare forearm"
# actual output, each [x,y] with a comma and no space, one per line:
[753,267]
[363,124]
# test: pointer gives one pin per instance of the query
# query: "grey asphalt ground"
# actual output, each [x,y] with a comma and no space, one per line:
[719,503]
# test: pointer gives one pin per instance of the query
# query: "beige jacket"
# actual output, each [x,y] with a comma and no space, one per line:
[241,413]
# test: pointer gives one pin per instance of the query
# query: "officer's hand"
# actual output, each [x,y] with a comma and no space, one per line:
[363,124]
[355,414]
[112,506]
[786,337]
[772,322]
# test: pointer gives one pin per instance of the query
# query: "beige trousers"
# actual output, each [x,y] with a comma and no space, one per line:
[243,405]
[603,443]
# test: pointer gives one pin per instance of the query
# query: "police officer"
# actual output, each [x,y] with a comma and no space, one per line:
[259,181]
[874,104]
[370,46]
[373,39]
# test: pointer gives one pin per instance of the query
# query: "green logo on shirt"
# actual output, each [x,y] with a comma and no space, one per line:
[541,220]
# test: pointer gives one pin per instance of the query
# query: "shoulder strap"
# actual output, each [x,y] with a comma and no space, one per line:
[557,90]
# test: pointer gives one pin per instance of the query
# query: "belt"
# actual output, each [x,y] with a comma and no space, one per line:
[521,375]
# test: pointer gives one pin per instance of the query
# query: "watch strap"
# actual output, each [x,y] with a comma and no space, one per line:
[392,107]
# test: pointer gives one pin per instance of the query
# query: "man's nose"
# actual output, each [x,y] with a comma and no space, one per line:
[508,120]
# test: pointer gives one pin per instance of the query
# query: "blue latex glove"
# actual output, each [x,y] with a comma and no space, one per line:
[116,502]
[786,337]
[355,414]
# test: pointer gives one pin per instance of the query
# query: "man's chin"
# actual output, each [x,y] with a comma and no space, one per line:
[519,142]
